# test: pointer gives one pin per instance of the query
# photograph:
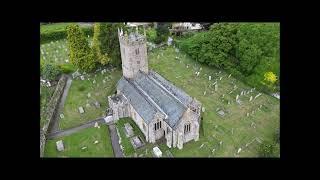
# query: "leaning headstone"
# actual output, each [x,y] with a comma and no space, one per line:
[81,110]
[257,95]
[59,145]
[239,150]
[220,78]
[237,97]
[250,98]
[229,76]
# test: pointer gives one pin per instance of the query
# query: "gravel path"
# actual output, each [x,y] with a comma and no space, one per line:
[61,133]
[115,141]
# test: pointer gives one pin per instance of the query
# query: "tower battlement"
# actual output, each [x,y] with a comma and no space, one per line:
[134,38]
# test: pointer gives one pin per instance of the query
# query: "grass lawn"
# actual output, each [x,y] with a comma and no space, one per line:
[86,137]
[234,130]
[78,96]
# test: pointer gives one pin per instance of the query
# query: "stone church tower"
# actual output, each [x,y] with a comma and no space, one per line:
[133,50]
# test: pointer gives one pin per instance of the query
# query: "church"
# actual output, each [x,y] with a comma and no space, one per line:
[161,110]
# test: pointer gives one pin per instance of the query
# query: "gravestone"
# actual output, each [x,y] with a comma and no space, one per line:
[239,150]
[89,95]
[81,110]
[157,152]
[220,78]
[247,114]
[97,104]
[96,124]
[237,97]
[209,78]
[59,145]
[96,142]
[216,87]
[128,130]
[61,116]
[82,77]
[250,98]
[136,142]
[94,81]
[203,109]
[257,95]
[84,147]
[87,105]
[229,76]
[221,113]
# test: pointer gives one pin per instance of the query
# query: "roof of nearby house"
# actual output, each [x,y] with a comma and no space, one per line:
[151,93]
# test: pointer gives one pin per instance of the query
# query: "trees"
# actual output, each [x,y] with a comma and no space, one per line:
[50,71]
[247,50]
[162,32]
[98,45]
[80,54]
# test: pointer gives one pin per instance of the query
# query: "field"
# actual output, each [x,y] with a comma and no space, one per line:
[84,138]
[235,129]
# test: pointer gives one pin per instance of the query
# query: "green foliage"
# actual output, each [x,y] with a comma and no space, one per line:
[66,68]
[41,65]
[80,54]
[247,50]
[151,34]
[99,40]
[266,149]
[50,71]
[57,31]
[82,88]
[162,32]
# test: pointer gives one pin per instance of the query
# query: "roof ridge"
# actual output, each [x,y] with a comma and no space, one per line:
[166,90]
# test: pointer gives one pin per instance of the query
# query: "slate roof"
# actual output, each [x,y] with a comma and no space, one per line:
[148,94]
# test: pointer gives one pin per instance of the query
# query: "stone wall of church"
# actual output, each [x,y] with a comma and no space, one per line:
[139,122]
[134,57]
[120,109]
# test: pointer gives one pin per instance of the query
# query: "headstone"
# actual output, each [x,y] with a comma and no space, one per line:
[61,116]
[157,152]
[82,77]
[94,81]
[85,147]
[81,110]
[229,76]
[257,95]
[216,87]
[96,124]
[203,109]
[104,81]
[241,93]
[96,142]
[237,97]
[220,78]
[239,150]
[221,113]
[97,104]
[250,98]
[247,114]
[209,78]
[128,130]
[89,95]
[220,143]
[200,69]
[59,145]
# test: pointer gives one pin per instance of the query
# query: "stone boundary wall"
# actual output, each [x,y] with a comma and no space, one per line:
[49,112]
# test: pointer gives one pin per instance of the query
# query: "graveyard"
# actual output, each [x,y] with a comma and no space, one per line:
[235,118]
[90,142]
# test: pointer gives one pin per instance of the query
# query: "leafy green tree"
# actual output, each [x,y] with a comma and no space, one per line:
[80,54]
[162,32]
[98,45]
[266,149]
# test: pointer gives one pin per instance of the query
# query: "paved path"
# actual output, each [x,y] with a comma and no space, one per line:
[115,141]
[66,132]
[54,124]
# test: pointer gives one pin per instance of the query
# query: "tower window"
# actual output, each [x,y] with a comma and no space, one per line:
[137,51]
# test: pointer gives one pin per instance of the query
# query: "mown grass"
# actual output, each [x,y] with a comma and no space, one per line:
[78,96]
[267,119]
[86,137]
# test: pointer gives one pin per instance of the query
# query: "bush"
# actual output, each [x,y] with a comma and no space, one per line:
[66,68]
[162,33]
[151,34]
[266,149]
[50,71]
[80,54]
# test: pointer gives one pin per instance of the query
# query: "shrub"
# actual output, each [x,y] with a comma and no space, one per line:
[151,34]
[266,149]
[66,68]
[162,33]
[50,71]
[80,54]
